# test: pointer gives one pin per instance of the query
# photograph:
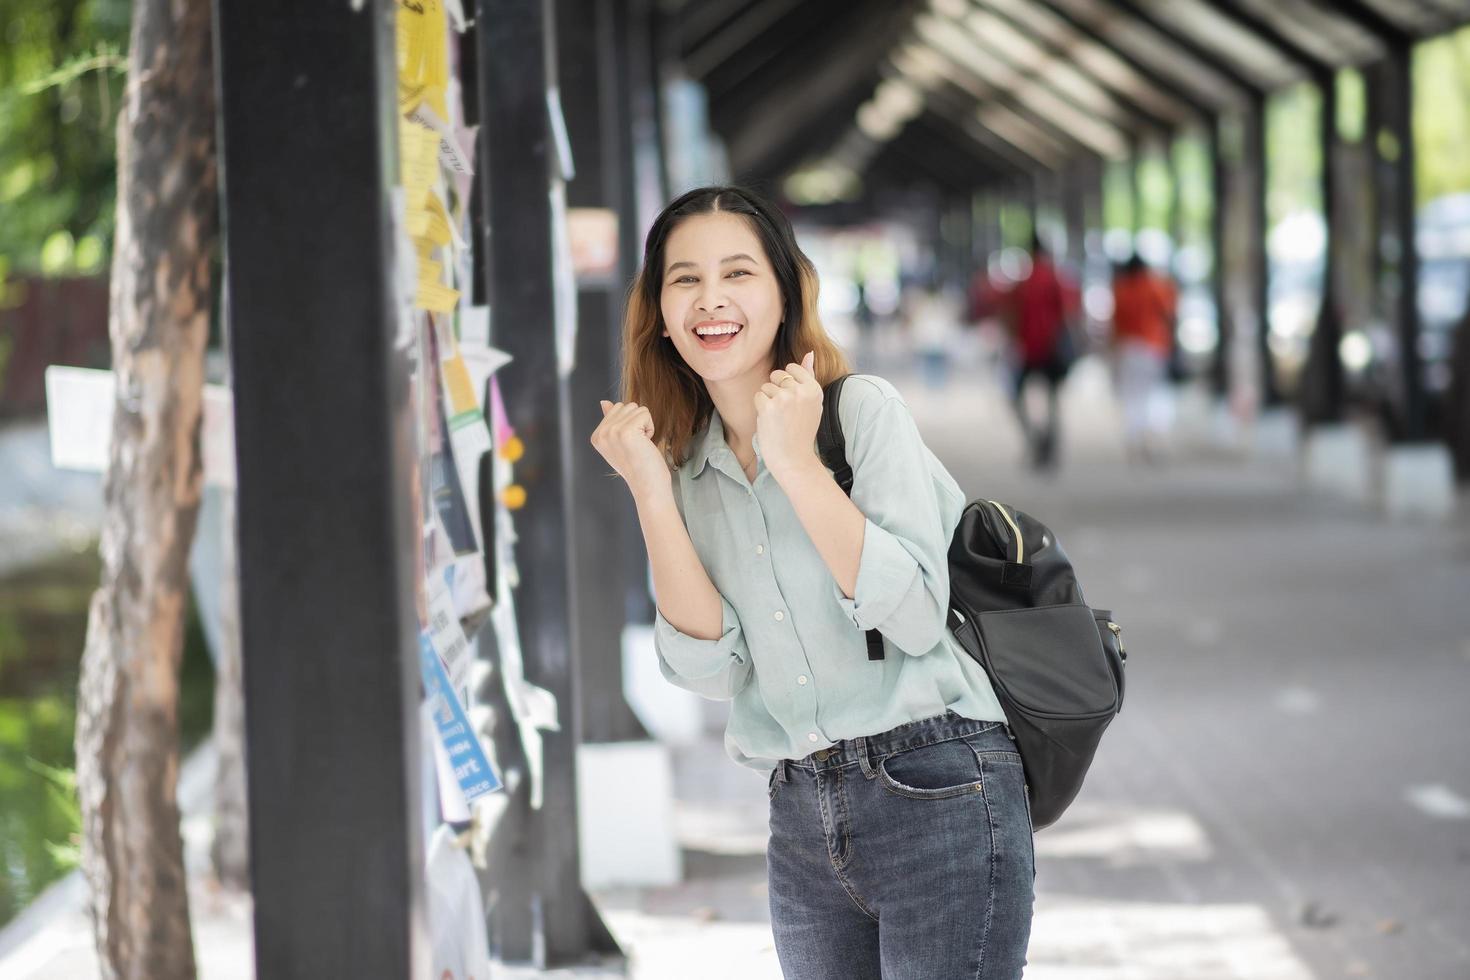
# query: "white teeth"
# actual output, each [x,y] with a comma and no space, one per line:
[717,331]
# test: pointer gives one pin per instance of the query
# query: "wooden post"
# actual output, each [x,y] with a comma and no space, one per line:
[538,910]
[587,70]
[326,470]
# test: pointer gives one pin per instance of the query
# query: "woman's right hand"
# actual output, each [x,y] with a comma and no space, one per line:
[624,437]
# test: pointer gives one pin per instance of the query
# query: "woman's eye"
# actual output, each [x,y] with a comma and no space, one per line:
[739,272]
[683,279]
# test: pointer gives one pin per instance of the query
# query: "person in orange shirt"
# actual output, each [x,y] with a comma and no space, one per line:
[1144,305]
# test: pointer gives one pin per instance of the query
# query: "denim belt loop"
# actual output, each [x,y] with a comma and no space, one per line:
[781,775]
[864,763]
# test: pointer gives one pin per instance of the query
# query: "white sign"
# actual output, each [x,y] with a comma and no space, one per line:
[79,404]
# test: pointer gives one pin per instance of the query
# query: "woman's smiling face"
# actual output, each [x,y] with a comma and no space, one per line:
[720,299]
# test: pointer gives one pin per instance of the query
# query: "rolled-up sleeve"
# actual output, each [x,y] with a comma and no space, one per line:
[716,669]
[902,585]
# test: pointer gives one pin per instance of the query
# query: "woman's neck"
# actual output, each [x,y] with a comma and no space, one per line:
[735,401]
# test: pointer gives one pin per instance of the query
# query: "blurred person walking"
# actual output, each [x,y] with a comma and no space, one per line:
[1042,304]
[1144,305]
[931,320]
[900,844]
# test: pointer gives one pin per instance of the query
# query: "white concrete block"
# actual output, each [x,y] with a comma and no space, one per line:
[1276,434]
[625,815]
[1194,416]
[1337,459]
[1419,483]
[671,714]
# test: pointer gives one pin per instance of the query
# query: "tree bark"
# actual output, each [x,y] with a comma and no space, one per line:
[127,711]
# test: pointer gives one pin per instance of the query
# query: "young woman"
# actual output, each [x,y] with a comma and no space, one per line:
[900,836]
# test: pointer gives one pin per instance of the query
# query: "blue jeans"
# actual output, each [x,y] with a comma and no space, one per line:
[903,856]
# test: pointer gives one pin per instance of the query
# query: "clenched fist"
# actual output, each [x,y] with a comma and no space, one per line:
[788,410]
[624,437]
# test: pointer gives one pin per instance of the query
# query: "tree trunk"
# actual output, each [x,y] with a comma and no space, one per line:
[127,710]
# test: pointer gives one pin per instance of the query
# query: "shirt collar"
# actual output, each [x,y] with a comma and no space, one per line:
[707,444]
[710,447]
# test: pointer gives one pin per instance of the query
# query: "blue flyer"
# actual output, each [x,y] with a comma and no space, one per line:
[466,755]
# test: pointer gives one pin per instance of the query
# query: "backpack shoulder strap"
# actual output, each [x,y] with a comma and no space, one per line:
[831,443]
[832,446]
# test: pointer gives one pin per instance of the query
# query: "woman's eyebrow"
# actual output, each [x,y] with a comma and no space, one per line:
[737,257]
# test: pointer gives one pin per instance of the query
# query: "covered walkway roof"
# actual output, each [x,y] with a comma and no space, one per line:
[979,90]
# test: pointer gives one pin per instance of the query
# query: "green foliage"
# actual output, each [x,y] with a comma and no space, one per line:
[1442,115]
[1293,151]
[1196,188]
[43,623]
[61,83]
[1352,105]
[1117,190]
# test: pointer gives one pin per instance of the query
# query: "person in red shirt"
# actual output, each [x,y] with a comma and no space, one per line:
[1042,304]
[1144,305]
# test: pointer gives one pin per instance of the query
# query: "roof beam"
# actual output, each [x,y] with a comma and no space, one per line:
[957,45]
[728,41]
[1000,157]
[1025,155]
[1367,18]
[1056,50]
[825,77]
[768,61]
[1146,71]
[1190,47]
[1044,75]
[696,23]
[1284,46]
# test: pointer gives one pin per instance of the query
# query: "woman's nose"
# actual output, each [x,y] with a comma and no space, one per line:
[711,297]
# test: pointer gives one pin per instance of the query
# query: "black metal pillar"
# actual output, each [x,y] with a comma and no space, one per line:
[640,166]
[1321,393]
[1074,212]
[1219,264]
[592,99]
[326,456]
[1398,255]
[1135,189]
[1257,266]
[539,911]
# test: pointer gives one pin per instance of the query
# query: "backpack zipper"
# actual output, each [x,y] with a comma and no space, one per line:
[1020,547]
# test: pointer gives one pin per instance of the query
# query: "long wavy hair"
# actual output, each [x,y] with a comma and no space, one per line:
[656,376]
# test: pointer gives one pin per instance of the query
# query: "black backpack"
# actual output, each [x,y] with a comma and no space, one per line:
[1016,608]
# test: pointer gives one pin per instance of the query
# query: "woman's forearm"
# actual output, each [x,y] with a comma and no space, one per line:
[831,520]
[686,597]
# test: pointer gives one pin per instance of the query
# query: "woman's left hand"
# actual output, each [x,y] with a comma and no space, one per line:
[788,410]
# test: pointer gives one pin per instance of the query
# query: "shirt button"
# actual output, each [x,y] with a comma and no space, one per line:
[760,549]
[812,737]
[801,679]
[780,615]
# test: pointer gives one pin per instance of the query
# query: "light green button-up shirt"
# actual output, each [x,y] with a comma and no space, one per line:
[792,656]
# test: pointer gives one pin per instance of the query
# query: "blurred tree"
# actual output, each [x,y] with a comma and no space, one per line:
[61,78]
[127,744]
[1442,115]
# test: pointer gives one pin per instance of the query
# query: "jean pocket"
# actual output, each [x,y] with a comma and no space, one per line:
[936,771]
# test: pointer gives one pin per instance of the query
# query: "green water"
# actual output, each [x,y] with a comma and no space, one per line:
[43,625]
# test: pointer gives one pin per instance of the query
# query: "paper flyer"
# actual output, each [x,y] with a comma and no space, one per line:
[471,766]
